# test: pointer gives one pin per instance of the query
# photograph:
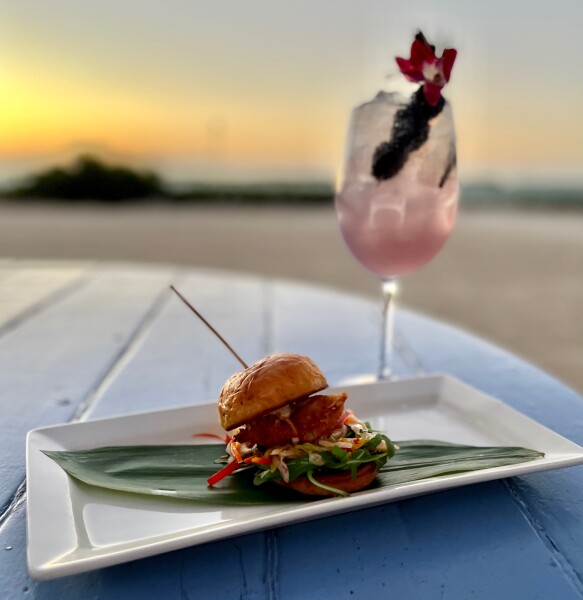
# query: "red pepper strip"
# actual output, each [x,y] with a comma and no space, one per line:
[233,466]
[226,470]
[259,460]
[226,439]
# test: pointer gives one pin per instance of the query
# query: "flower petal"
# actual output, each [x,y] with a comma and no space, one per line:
[447,59]
[424,66]
[421,52]
[432,93]
[411,73]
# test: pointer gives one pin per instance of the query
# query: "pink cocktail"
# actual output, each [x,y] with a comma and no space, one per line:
[396,200]
[395,226]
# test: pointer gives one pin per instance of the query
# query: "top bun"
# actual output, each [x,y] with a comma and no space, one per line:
[269,384]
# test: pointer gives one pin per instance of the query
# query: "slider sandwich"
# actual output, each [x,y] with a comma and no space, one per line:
[279,424]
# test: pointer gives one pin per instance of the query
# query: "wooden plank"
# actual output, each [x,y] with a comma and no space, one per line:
[443,348]
[51,362]
[472,542]
[378,552]
[25,288]
[410,534]
[179,360]
[465,543]
[340,332]
[550,501]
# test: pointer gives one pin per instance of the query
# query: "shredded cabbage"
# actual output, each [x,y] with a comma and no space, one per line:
[316,459]
[284,471]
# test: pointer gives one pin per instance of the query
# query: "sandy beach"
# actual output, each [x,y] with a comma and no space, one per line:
[513,277]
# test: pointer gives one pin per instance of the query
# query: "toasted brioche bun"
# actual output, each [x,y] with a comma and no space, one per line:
[269,384]
[342,481]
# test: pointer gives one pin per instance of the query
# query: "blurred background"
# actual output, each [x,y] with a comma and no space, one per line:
[210,134]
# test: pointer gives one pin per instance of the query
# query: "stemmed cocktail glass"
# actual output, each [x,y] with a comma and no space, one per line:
[396,199]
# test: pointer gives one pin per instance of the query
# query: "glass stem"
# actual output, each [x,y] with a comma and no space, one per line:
[389,288]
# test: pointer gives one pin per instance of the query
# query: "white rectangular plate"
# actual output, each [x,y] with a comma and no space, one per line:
[74,527]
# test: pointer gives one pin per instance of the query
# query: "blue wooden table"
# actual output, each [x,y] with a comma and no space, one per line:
[82,341]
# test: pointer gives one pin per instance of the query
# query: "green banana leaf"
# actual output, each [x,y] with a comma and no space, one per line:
[182,471]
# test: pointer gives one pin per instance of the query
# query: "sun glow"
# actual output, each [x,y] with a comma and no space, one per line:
[43,114]
[265,89]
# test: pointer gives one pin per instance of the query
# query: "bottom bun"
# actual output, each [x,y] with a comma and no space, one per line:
[342,481]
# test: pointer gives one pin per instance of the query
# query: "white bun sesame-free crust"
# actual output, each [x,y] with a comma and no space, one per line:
[267,385]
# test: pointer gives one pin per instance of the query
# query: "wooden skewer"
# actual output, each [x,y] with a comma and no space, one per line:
[245,365]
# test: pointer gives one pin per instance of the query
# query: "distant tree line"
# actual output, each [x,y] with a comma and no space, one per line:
[87,178]
[90,179]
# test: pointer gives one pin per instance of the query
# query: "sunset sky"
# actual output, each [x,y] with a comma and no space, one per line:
[248,90]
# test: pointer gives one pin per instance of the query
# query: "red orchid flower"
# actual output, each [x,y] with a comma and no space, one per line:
[424,66]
